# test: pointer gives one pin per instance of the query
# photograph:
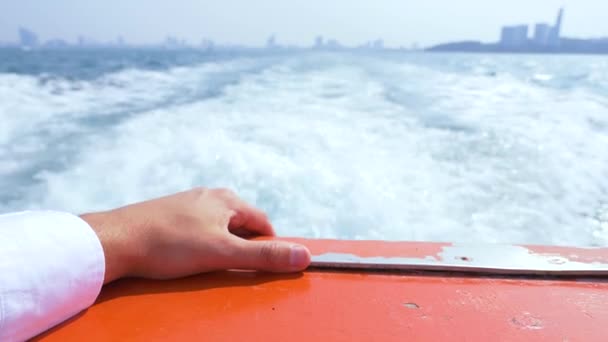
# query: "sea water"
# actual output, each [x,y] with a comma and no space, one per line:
[354,145]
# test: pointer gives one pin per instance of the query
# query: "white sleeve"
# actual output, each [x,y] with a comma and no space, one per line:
[51,267]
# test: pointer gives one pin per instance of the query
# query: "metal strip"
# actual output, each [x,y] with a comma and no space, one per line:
[490,260]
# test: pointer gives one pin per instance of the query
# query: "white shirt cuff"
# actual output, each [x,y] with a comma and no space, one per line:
[51,267]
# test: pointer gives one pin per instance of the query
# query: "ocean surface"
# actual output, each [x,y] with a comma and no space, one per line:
[374,145]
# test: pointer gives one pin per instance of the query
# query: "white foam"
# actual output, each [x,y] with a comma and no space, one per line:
[353,147]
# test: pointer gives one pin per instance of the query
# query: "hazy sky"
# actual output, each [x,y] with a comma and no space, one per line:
[399,22]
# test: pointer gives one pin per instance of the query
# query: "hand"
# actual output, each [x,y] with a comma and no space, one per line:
[191,232]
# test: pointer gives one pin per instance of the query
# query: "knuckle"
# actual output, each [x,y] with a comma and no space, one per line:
[269,253]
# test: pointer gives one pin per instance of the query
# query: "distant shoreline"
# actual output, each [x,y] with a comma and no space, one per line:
[457,47]
[567,46]
[561,53]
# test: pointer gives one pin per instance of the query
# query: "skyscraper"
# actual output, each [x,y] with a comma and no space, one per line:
[554,35]
[514,36]
[319,41]
[378,44]
[541,34]
[27,38]
[271,42]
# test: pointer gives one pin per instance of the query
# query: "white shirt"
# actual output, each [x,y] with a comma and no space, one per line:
[51,267]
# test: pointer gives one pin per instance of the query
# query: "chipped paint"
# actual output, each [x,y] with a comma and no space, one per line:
[527,321]
[411,305]
[582,254]
[488,259]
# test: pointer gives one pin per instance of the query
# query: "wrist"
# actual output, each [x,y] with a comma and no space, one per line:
[108,230]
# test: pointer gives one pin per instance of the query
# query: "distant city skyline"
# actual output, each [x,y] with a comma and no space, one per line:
[545,35]
[546,38]
[389,22]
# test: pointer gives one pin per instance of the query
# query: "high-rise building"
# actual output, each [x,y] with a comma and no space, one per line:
[333,44]
[544,34]
[554,35]
[514,36]
[171,43]
[271,42]
[319,42]
[207,44]
[541,34]
[378,44]
[27,38]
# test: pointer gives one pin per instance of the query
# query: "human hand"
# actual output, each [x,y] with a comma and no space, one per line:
[190,232]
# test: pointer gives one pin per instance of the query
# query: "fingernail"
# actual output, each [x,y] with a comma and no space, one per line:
[298,257]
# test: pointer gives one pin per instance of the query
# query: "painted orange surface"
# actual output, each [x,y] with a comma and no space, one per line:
[325,305]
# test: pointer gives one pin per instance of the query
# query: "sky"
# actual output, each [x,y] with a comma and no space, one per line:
[250,22]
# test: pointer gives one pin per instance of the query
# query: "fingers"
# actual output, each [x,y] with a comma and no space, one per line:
[250,219]
[246,218]
[272,256]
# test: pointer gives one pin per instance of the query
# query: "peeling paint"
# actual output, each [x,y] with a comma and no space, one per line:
[492,259]
[582,254]
[527,321]
[411,305]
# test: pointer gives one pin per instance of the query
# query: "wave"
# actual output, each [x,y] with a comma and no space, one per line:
[329,145]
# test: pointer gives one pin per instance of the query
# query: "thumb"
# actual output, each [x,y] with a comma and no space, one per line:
[273,256]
